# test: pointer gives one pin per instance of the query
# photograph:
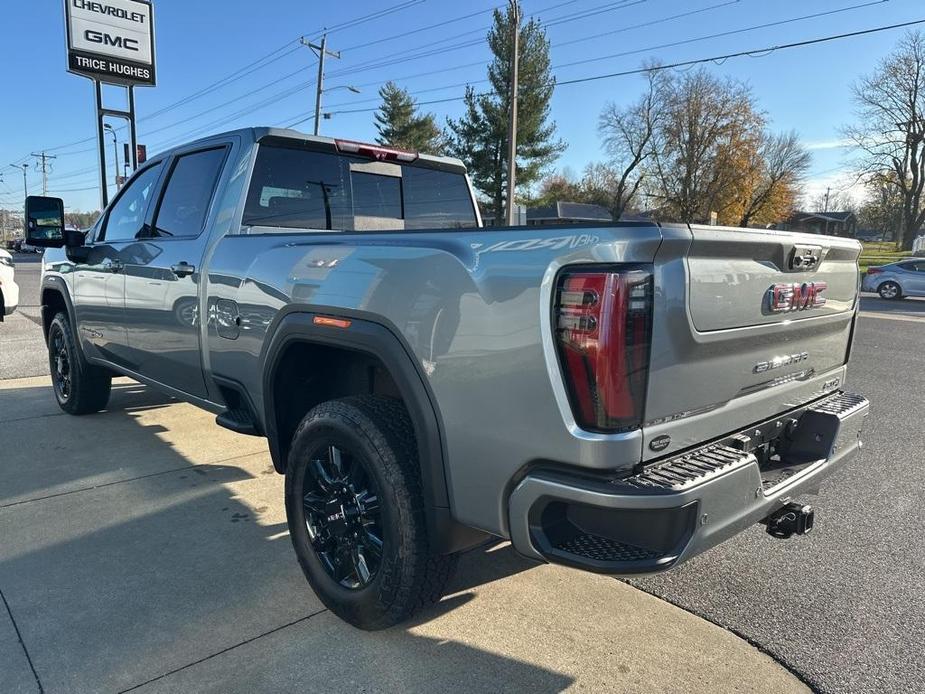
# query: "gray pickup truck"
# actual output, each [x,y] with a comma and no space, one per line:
[616,398]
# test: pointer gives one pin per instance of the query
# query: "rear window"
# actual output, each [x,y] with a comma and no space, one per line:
[300,189]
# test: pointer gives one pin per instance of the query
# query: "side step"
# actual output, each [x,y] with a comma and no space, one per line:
[238,420]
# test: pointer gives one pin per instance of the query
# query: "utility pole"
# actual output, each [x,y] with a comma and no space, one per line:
[321,51]
[25,185]
[44,159]
[512,126]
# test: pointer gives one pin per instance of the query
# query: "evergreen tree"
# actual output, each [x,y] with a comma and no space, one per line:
[479,137]
[400,125]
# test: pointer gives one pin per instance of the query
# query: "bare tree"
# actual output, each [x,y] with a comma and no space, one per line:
[831,200]
[890,129]
[780,164]
[627,132]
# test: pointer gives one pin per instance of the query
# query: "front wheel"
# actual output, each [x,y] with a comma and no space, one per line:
[79,387]
[890,290]
[356,512]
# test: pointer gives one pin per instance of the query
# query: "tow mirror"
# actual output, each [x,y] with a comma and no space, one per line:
[45,224]
[44,221]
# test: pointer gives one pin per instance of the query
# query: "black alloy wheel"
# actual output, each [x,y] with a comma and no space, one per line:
[342,515]
[79,387]
[356,512]
[60,365]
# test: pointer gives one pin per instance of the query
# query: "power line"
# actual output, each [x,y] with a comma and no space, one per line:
[753,53]
[243,71]
[417,53]
[730,32]
[667,45]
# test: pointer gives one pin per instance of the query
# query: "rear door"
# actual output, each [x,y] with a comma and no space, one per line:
[913,277]
[162,273]
[747,324]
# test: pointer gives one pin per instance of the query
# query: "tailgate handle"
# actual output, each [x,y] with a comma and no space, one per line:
[805,257]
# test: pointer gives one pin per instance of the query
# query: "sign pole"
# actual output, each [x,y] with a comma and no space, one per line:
[131,125]
[112,43]
[104,191]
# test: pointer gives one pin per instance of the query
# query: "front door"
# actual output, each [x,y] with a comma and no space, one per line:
[99,282]
[162,275]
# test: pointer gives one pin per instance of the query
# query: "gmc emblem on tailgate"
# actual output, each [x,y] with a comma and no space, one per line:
[797,296]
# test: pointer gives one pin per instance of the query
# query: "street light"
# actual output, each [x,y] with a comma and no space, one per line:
[348,87]
[115,152]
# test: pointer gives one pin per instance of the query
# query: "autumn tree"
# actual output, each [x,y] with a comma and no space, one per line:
[769,182]
[890,129]
[710,130]
[556,187]
[401,125]
[479,137]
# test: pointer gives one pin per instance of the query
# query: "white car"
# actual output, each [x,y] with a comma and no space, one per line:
[9,291]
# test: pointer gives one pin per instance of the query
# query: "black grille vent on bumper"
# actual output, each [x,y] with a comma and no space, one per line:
[604,549]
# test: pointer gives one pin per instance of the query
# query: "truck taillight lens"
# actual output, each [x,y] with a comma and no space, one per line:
[603,327]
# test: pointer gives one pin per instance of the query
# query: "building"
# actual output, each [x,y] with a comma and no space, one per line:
[828,223]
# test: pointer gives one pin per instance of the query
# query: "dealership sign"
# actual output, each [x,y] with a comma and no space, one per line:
[111,40]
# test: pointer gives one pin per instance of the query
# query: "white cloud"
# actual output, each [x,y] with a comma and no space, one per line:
[828,144]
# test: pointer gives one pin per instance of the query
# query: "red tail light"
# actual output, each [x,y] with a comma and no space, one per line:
[375,151]
[603,322]
[874,270]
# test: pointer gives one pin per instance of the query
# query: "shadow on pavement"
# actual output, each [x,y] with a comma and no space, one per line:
[144,545]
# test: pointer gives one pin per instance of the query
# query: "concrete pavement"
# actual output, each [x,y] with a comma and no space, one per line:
[145,549]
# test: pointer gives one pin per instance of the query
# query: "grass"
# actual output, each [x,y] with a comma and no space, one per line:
[880,253]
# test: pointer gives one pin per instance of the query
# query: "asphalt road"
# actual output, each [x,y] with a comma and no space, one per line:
[843,607]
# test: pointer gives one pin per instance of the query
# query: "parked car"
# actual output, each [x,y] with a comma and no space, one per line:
[613,397]
[9,290]
[896,280]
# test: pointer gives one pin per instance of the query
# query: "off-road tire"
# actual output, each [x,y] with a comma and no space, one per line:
[88,386]
[409,576]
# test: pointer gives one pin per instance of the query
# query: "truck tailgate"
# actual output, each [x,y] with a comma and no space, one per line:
[747,324]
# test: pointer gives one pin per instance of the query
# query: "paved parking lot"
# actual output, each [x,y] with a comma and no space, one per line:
[146,549]
[147,546]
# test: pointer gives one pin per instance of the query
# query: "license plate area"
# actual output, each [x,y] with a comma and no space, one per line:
[787,446]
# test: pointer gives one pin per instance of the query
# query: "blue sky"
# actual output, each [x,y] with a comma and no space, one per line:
[202,42]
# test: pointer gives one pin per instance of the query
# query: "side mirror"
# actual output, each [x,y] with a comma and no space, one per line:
[44,222]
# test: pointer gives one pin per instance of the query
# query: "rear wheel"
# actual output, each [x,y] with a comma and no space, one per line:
[356,512]
[890,290]
[79,387]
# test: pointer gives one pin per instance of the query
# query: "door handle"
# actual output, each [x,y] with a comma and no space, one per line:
[183,269]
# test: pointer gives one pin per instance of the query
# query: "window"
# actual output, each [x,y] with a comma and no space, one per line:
[436,199]
[127,215]
[912,266]
[375,195]
[188,192]
[294,188]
